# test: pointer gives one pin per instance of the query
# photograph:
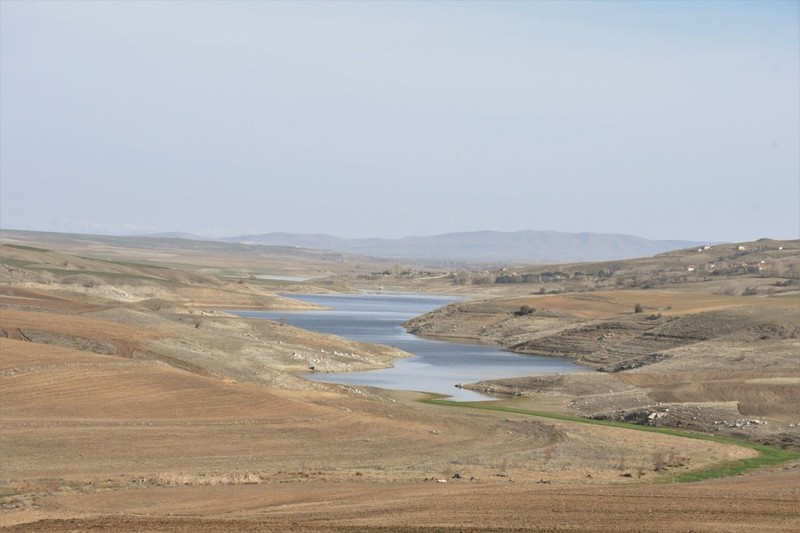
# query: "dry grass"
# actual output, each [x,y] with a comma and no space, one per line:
[611,303]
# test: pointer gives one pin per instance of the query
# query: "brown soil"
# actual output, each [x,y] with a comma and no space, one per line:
[135,406]
[751,503]
[88,436]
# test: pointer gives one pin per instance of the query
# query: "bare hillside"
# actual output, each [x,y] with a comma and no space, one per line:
[132,401]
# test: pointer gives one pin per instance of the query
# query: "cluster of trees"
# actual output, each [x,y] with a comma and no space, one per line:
[398,272]
[549,276]
[516,278]
[642,278]
[467,278]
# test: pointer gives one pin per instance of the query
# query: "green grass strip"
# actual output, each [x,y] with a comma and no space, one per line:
[767,455]
[133,264]
[29,248]
[18,263]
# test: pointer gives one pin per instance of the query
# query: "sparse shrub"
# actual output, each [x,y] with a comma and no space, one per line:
[750,291]
[525,310]
[173,479]
[459,278]
[728,290]
[84,281]
[638,308]
[658,461]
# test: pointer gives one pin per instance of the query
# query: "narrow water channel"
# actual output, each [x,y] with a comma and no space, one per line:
[437,366]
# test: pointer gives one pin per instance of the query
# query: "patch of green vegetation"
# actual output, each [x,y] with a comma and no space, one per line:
[107,275]
[127,263]
[29,248]
[173,265]
[19,263]
[767,455]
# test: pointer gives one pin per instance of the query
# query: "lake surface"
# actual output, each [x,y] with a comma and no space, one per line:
[437,366]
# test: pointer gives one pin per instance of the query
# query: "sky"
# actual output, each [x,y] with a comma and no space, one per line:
[667,120]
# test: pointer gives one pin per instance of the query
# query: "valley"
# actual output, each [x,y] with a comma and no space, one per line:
[132,400]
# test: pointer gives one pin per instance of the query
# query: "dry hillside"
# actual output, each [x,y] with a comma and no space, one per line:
[132,402]
[714,352]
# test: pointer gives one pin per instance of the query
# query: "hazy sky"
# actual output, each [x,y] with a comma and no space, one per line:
[387,119]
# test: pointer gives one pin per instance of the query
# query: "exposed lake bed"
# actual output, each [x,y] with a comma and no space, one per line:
[436,366]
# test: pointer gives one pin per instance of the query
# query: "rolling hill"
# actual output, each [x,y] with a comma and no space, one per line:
[483,246]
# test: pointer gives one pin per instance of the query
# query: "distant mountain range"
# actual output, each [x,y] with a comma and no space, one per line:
[482,246]
[459,249]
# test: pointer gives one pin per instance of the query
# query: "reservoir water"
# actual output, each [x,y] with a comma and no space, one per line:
[437,366]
